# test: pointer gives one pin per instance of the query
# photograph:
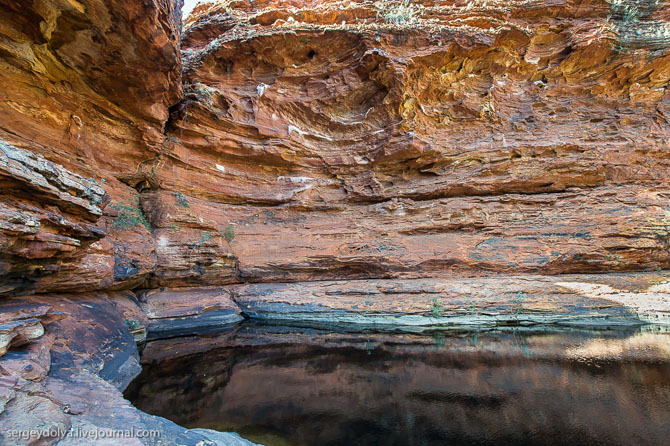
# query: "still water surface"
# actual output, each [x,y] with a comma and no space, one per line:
[293,386]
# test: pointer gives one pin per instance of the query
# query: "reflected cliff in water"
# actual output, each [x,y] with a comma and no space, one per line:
[281,386]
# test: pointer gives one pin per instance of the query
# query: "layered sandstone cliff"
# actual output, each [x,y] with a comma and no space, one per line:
[87,85]
[471,139]
[336,140]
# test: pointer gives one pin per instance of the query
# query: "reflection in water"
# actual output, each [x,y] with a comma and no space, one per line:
[311,387]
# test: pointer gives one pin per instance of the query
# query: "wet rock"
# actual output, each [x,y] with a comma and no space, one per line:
[178,311]
[437,164]
[65,387]
[425,303]
[215,438]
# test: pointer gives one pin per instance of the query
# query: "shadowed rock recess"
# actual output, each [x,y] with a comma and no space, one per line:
[413,166]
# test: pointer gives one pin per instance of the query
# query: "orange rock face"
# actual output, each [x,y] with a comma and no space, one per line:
[308,141]
[357,140]
[88,86]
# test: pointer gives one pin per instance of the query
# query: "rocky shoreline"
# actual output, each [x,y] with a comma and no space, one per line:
[65,387]
[68,358]
[79,352]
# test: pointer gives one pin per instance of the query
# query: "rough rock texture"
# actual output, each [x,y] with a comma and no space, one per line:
[359,140]
[21,323]
[87,84]
[47,230]
[96,78]
[68,383]
[331,140]
[473,138]
[430,303]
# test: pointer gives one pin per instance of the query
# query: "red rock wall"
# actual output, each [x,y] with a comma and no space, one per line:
[482,137]
[330,140]
[303,141]
[88,86]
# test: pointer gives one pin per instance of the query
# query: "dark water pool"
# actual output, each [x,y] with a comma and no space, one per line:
[289,386]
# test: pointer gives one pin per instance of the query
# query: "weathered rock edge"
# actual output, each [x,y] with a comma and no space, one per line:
[80,351]
[596,300]
[589,300]
[70,380]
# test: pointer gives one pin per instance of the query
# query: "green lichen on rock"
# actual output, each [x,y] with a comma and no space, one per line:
[437,308]
[633,22]
[132,324]
[181,200]
[205,237]
[129,217]
[229,234]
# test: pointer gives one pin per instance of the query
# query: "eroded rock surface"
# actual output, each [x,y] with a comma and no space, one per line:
[357,140]
[467,138]
[65,387]
[48,225]
[171,312]
[87,85]
[622,299]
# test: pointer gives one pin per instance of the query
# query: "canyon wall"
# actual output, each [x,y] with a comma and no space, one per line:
[311,141]
[525,137]
[86,91]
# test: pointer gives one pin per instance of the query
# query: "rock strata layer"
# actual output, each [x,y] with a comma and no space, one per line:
[365,140]
[171,312]
[600,300]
